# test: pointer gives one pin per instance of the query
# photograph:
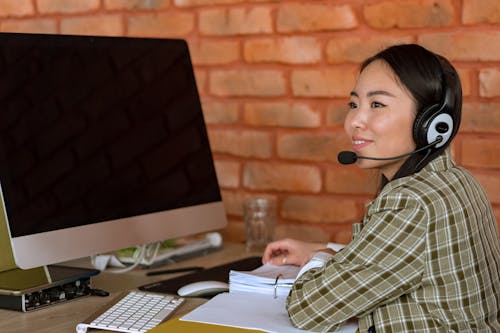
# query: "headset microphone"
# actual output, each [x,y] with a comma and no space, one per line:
[350,157]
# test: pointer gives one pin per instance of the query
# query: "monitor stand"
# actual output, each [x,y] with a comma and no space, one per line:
[30,289]
[21,279]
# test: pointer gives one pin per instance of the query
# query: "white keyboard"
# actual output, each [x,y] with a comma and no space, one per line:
[135,312]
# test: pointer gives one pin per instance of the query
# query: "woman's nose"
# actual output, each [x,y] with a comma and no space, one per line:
[356,118]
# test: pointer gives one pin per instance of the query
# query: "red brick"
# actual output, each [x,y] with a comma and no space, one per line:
[136,4]
[47,26]
[298,115]
[409,14]
[67,6]
[351,180]
[319,209]
[479,152]
[209,52]
[281,177]
[292,50]
[201,80]
[235,21]
[477,12]
[106,25]
[233,201]
[489,82]
[466,79]
[193,3]
[257,82]
[311,146]
[228,173]
[161,24]
[16,8]
[480,118]
[464,46]
[336,113]
[491,185]
[347,49]
[220,112]
[302,232]
[316,17]
[241,143]
[331,82]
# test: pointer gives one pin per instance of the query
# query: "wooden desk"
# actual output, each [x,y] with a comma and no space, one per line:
[64,317]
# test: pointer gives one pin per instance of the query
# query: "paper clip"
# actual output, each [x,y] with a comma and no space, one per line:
[276,285]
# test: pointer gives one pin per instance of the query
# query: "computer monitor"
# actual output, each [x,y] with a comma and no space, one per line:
[103,146]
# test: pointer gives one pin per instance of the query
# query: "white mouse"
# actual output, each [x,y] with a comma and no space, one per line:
[203,289]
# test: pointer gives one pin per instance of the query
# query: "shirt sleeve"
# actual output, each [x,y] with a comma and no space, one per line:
[318,260]
[383,262]
[335,246]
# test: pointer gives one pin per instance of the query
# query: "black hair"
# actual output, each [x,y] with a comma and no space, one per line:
[426,76]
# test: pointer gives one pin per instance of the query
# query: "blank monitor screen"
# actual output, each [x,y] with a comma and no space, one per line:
[103,145]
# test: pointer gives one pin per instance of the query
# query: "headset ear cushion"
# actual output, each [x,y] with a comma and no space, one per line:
[440,126]
[421,125]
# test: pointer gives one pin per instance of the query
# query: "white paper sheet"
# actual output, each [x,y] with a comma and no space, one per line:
[250,311]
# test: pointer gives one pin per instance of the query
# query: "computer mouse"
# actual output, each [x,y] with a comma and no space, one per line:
[203,289]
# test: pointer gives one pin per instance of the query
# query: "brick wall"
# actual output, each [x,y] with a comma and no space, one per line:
[274,78]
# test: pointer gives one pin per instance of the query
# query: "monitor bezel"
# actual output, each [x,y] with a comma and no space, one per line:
[109,236]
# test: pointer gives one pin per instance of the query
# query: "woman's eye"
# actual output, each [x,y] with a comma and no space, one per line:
[352,105]
[377,105]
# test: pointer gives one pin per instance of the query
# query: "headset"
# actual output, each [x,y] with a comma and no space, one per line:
[435,120]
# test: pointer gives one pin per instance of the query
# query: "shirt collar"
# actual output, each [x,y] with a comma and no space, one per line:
[442,162]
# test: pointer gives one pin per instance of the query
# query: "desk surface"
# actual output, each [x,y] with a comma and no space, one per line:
[64,317]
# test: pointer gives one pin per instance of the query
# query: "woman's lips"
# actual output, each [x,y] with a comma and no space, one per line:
[358,144]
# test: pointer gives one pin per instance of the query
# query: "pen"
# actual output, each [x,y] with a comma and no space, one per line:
[176,270]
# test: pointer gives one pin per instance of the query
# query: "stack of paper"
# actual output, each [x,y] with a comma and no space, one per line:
[267,279]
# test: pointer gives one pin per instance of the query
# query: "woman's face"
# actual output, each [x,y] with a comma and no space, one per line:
[380,118]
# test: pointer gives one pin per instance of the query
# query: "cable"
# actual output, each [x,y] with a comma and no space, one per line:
[143,254]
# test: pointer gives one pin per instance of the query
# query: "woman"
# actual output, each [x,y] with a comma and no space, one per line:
[427,257]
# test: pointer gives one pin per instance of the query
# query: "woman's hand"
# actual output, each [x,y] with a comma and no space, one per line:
[290,251]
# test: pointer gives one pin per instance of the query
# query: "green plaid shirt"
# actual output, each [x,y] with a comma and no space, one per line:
[426,260]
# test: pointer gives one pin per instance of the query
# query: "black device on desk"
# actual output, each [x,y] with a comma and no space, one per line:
[68,283]
[217,273]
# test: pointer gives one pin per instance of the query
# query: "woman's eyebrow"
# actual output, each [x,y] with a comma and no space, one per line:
[379,92]
[373,93]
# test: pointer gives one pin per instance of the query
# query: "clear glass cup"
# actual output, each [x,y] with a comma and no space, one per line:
[259,215]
